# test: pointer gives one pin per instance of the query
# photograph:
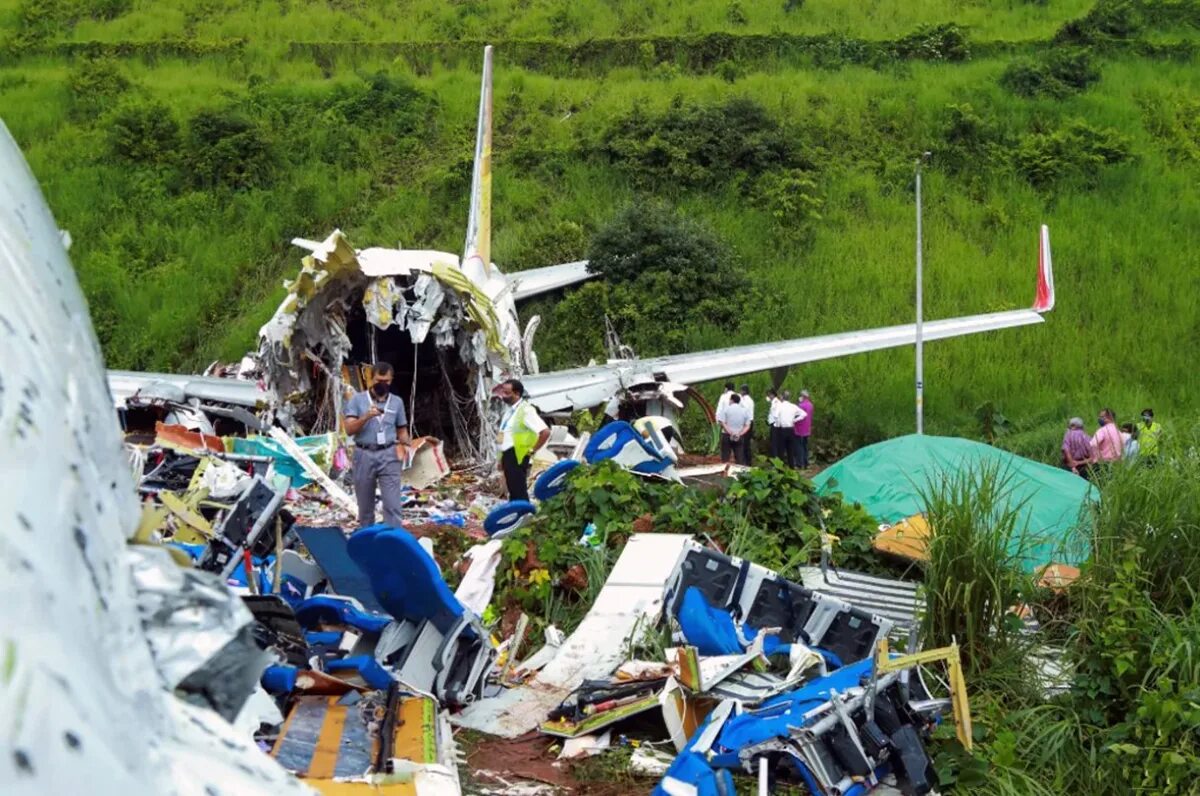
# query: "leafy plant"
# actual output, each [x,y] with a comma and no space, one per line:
[1062,72]
[144,132]
[95,84]
[227,149]
[1077,150]
[697,145]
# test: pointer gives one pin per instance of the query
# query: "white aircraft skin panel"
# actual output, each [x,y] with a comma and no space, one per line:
[125,383]
[536,281]
[85,708]
[579,388]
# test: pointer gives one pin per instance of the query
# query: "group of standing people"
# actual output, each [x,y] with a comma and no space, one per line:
[376,419]
[1083,454]
[789,425]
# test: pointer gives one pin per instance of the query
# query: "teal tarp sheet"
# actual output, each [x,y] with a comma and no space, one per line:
[887,479]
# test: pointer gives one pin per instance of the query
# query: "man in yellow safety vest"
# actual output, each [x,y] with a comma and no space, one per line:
[522,434]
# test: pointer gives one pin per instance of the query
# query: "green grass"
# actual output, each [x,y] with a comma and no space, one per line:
[177,277]
[429,20]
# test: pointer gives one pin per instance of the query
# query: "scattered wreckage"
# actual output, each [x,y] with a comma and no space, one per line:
[231,606]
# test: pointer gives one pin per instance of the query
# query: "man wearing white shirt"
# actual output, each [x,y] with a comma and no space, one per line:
[723,401]
[748,437]
[775,446]
[735,422]
[786,415]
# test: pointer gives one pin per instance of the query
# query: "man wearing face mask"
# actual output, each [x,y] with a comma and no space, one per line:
[1148,436]
[522,434]
[1106,442]
[376,420]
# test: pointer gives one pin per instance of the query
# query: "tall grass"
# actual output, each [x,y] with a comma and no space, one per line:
[1154,510]
[974,576]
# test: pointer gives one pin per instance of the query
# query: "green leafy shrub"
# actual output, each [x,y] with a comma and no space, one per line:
[105,9]
[791,196]
[771,515]
[970,140]
[1061,73]
[945,42]
[697,145]
[1075,151]
[95,84]
[662,274]
[227,149]
[385,103]
[144,132]
[1107,20]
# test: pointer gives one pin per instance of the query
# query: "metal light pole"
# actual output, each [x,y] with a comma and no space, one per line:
[920,308]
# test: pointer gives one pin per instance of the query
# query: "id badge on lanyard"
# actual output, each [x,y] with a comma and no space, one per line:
[380,437]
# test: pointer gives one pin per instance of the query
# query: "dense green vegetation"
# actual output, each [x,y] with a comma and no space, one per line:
[183,144]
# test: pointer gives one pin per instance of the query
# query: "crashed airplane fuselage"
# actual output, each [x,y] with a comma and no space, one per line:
[450,328]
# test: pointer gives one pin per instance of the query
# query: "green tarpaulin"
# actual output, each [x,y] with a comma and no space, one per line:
[888,478]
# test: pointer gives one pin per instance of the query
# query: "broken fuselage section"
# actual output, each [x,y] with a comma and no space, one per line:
[449,338]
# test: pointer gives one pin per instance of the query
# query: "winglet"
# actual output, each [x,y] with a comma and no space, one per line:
[479,224]
[1044,302]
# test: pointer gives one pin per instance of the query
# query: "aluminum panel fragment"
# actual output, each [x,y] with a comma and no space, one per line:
[82,702]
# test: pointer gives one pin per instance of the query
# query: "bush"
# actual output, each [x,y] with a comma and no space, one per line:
[386,102]
[1108,20]
[946,42]
[1062,73]
[971,140]
[697,146]
[227,149]
[105,9]
[95,86]
[144,133]
[791,196]
[771,515]
[38,20]
[1078,150]
[663,275]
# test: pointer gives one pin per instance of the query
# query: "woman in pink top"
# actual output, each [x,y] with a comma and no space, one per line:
[1107,441]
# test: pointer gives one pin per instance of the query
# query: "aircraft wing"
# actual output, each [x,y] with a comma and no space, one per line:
[536,281]
[587,387]
[124,384]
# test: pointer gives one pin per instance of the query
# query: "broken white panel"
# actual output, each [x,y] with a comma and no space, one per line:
[528,355]
[423,311]
[630,601]
[585,746]
[646,761]
[378,262]
[474,592]
[83,708]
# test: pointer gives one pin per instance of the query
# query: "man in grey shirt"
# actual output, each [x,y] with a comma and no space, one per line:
[376,420]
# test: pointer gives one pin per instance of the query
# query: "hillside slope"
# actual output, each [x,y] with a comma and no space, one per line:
[184,143]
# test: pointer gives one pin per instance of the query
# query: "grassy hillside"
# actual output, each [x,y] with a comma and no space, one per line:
[184,143]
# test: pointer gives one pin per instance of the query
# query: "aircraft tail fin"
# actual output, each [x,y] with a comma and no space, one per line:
[479,224]
[1044,301]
